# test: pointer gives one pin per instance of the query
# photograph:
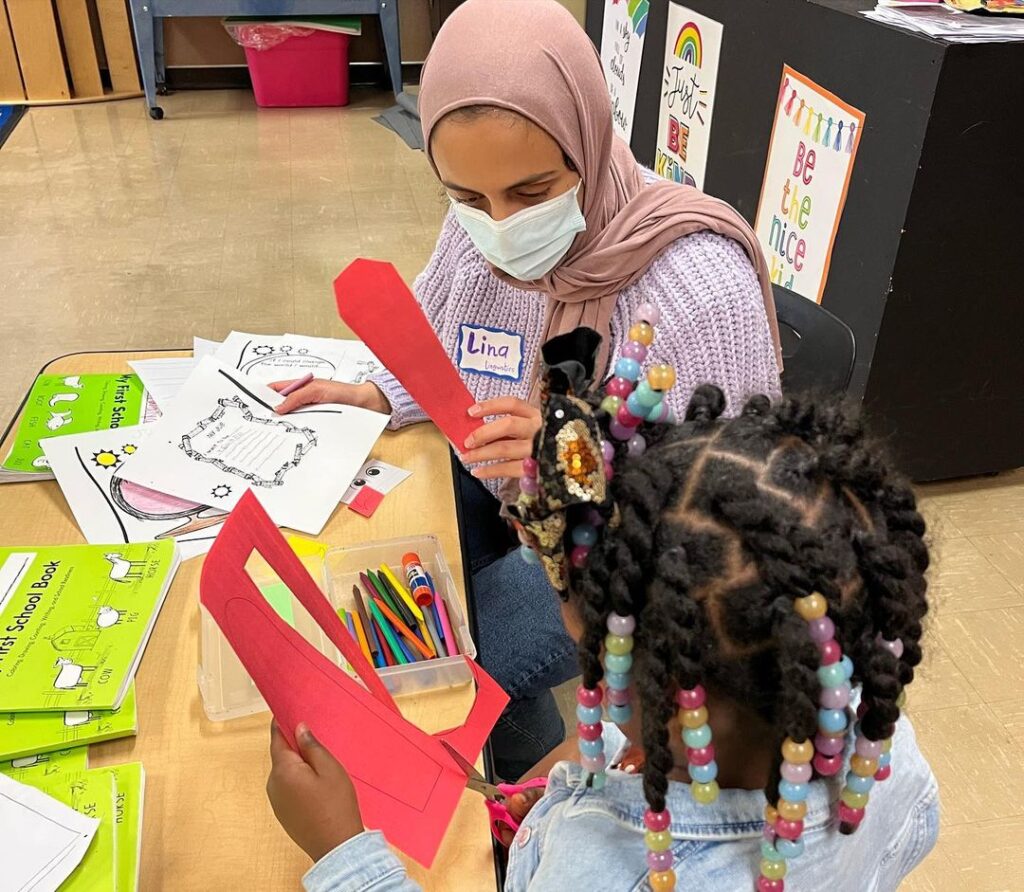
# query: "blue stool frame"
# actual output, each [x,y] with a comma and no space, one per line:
[149,37]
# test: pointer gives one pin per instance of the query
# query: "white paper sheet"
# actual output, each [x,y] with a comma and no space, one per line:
[377,474]
[110,509]
[202,347]
[41,840]
[268,358]
[221,436]
[163,378]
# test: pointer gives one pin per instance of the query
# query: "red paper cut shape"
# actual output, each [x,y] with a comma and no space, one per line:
[376,304]
[407,784]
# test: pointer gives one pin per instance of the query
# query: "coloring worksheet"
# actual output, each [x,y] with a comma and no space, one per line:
[269,358]
[111,509]
[221,437]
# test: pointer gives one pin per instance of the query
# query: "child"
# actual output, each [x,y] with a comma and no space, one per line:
[739,591]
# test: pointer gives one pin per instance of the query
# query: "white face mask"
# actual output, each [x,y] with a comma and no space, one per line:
[530,243]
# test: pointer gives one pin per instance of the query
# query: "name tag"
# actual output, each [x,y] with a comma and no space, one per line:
[490,351]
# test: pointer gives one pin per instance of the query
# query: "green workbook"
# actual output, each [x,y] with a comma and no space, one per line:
[39,769]
[27,734]
[129,795]
[75,620]
[71,404]
[92,793]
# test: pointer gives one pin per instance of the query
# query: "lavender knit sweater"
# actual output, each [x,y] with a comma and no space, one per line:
[713,326]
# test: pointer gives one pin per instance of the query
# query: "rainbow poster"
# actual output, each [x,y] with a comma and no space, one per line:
[693,44]
[622,48]
[813,146]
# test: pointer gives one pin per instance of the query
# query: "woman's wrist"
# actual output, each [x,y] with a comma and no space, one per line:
[370,396]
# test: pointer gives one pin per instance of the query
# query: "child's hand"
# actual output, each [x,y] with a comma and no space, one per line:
[311,794]
[519,805]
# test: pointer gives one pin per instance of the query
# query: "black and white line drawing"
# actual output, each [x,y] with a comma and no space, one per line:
[122,570]
[237,442]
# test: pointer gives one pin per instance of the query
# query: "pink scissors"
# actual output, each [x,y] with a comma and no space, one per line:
[495,795]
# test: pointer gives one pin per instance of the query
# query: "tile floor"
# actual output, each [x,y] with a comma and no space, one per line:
[120,232]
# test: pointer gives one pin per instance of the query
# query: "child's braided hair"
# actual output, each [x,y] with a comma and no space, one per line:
[722,525]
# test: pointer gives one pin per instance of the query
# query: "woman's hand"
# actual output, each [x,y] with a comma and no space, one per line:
[311,794]
[505,441]
[362,396]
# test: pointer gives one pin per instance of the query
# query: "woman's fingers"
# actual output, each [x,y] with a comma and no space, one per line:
[502,450]
[503,405]
[509,427]
[499,470]
[304,396]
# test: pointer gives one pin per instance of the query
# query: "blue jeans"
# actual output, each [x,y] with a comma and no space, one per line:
[523,644]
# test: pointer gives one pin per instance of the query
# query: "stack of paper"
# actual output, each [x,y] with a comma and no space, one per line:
[221,437]
[953,25]
[113,476]
[87,823]
[76,620]
[101,469]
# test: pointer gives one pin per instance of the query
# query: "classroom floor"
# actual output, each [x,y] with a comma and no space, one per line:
[120,232]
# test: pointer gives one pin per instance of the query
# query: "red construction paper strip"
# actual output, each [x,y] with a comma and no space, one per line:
[376,304]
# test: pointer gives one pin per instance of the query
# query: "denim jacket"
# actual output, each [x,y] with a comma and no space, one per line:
[579,838]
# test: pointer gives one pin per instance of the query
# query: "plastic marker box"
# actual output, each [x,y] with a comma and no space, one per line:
[228,692]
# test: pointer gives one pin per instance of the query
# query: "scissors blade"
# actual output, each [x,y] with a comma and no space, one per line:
[474,779]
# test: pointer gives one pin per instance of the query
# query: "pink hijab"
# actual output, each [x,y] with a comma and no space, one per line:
[531,57]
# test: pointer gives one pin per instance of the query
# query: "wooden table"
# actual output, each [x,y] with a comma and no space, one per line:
[208,825]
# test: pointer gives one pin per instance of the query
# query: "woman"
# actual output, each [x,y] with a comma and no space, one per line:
[553,226]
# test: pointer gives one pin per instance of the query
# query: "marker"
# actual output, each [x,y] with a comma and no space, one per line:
[364,645]
[437,616]
[453,644]
[296,384]
[385,652]
[435,638]
[388,634]
[371,636]
[398,587]
[400,627]
[410,655]
[424,635]
[391,598]
[417,578]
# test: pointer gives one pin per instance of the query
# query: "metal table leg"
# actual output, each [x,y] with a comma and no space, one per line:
[142,22]
[158,55]
[392,42]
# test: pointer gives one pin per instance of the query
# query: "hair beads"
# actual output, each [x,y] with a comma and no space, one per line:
[834,676]
[784,823]
[870,762]
[700,753]
[630,401]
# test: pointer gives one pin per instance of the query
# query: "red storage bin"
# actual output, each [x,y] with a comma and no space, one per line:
[301,71]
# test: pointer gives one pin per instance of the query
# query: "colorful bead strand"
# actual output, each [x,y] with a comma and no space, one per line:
[629,400]
[784,822]
[870,762]
[700,752]
[590,733]
[834,676]
[618,661]
[659,859]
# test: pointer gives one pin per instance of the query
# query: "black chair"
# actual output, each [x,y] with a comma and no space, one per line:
[818,349]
